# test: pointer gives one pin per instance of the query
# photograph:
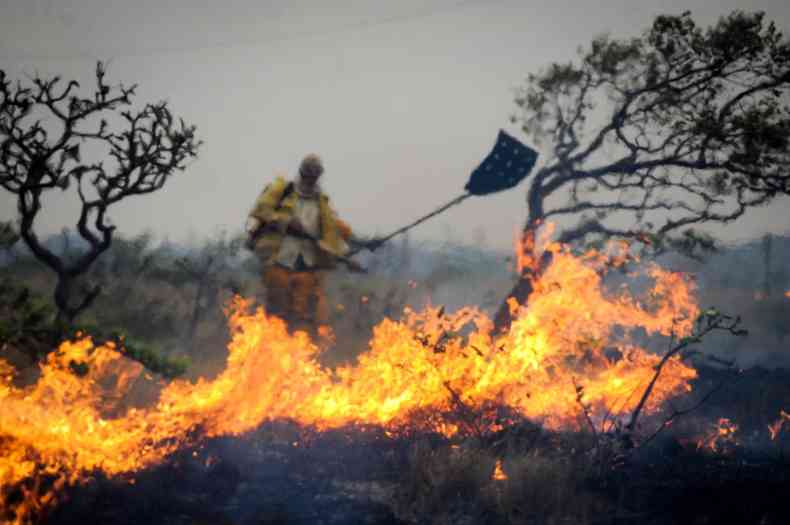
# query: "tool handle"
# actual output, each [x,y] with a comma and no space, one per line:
[437,211]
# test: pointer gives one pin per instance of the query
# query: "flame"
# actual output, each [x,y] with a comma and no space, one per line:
[429,362]
[498,474]
[529,244]
[721,437]
[787,294]
[775,428]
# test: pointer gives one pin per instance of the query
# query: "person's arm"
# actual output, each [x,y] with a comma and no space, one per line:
[346,233]
[343,229]
[265,210]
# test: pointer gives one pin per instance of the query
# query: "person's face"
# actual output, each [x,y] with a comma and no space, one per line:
[310,178]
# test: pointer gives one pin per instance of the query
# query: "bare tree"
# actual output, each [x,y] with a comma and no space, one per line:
[652,137]
[43,127]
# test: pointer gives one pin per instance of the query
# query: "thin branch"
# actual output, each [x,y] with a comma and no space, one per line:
[679,413]
[707,323]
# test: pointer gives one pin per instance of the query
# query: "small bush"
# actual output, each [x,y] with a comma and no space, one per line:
[551,478]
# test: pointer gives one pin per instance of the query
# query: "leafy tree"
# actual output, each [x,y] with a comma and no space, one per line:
[25,319]
[650,138]
[43,128]
[211,270]
[8,236]
[130,259]
[130,274]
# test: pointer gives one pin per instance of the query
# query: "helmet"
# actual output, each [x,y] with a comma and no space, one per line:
[311,165]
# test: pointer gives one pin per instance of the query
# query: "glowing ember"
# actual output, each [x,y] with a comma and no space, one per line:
[720,438]
[775,428]
[498,474]
[428,362]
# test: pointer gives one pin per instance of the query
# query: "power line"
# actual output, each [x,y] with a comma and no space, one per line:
[348,29]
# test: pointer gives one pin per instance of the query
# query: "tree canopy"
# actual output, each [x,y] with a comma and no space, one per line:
[652,137]
[689,122]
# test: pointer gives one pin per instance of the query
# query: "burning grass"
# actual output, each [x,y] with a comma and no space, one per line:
[556,356]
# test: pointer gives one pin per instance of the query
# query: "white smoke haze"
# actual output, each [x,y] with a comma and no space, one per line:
[402,99]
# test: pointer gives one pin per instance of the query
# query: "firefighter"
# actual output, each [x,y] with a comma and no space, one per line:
[297,236]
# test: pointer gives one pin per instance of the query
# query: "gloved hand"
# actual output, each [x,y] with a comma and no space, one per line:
[371,244]
[354,267]
[374,244]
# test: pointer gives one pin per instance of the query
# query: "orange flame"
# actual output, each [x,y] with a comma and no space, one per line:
[528,245]
[720,437]
[775,428]
[422,363]
[498,474]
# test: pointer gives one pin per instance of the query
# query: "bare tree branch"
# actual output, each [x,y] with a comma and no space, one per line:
[708,322]
[35,158]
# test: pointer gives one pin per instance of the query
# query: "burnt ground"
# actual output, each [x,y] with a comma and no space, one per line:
[278,475]
[283,474]
[342,483]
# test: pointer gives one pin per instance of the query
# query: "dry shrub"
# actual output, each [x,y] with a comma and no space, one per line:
[453,484]
[546,490]
[445,483]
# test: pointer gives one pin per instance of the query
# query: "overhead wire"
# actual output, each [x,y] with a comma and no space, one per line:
[255,42]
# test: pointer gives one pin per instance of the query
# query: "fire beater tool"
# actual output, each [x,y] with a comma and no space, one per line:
[509,163]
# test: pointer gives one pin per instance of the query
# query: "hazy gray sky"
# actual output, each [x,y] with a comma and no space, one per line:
[402,99]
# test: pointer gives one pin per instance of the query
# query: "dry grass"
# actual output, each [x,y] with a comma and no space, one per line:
[455,485]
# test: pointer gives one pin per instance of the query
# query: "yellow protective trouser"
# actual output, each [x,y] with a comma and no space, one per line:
[296,297]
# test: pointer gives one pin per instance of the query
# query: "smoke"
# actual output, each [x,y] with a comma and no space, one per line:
[750,280]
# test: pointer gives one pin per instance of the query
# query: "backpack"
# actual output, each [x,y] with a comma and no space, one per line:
[289,189]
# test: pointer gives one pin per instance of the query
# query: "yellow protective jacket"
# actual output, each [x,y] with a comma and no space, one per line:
[274,210]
